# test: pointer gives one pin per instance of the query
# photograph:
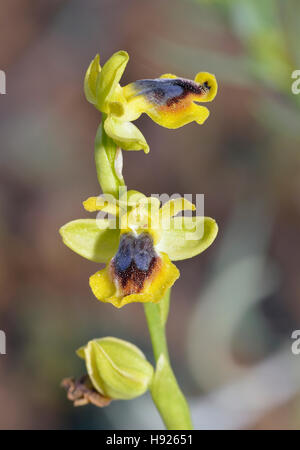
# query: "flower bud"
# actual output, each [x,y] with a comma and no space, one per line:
[117,369]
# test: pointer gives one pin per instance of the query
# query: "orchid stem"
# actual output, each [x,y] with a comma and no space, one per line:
[165,391]
[105,154]
[156,330]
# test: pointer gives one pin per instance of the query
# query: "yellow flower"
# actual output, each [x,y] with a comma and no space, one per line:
[169,100]
[139,250]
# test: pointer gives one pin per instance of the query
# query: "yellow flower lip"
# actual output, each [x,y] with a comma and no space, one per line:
[150,288]
[171,101]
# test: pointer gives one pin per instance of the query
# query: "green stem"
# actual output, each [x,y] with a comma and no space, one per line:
[165,391]
[105,155]
[157,331]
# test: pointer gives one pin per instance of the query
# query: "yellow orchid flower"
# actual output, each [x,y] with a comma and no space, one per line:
[169,100]
[138,252]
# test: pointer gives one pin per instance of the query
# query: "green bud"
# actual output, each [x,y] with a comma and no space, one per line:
[117,369]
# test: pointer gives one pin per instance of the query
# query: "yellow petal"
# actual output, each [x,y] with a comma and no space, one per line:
[174,206]
[99,203]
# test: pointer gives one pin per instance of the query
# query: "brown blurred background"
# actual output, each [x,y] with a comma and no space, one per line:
[235,306]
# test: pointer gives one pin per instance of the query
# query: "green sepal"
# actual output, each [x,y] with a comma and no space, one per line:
[91,79]
[117,368]
[109,78]
[186,237]
[105,159]
[91,238]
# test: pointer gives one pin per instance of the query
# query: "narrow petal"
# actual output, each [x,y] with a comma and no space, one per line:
[187,237]
[91,238]
[125,134]
[174,206]
[99,203]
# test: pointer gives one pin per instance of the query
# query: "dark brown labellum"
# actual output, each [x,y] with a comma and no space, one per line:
[135,262]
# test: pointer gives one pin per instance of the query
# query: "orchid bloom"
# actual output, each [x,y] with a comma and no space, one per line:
[169,100]
[139,251]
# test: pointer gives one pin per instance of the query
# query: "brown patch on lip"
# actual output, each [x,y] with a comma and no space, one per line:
[135,263]
[183,101]
[179,104]
[171,94]
[190,88]
[132,280]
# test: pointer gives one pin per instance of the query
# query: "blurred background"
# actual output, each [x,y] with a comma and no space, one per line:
[235,306]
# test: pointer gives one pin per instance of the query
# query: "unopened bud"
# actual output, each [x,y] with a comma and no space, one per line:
[117,369]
